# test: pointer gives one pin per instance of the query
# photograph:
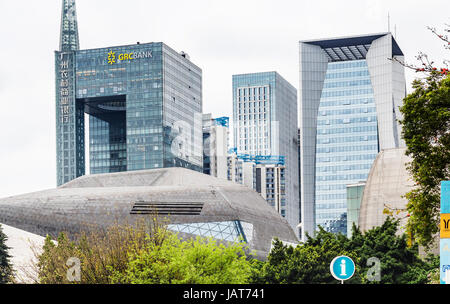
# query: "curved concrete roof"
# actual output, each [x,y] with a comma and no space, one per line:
[104,199]
[386,185]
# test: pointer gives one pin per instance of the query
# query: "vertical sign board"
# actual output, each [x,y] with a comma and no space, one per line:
[445,233]
[69,121]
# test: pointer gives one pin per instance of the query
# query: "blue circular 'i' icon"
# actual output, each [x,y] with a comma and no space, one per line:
[342,268]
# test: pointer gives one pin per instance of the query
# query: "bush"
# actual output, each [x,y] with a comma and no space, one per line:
[191,261]
[143,254]
[310,262]
[99,252]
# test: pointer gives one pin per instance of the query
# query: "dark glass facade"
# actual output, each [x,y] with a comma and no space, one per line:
[144,103]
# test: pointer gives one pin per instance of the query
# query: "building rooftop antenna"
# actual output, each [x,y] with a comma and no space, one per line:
[389,23]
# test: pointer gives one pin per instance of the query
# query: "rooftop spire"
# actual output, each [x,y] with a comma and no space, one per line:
[68,40]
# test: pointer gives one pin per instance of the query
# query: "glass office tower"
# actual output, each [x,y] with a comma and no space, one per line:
[350,93]
[265,123]
[144,103]
[346,141]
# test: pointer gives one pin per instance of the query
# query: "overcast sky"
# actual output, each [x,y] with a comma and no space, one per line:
[222,37]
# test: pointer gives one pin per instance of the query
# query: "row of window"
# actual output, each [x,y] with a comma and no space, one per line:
[347,129]
[330,213]
[347,149]
[253,98]
[322,122]
[347,74]
[323,205]
[346,101]
[347,111]
[326,94]
[344,84]
[343,167]
[252,116]
[346,158]
[346,139]
[255,104]
[253,91]
[330,187]
[337,177]
[347,64]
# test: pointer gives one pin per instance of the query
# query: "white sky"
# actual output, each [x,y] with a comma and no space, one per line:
[222,37]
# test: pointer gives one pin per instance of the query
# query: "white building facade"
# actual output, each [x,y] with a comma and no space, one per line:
[215,146]
[265,124]
[350,93]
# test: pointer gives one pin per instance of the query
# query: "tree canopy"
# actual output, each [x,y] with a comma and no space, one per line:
[310,263]
[425,129]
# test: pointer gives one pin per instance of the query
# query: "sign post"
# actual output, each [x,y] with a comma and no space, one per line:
[445,233]
[342,268]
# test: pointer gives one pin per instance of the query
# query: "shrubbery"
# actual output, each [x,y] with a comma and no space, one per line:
[143,254]
[149,254]
[191,261]
[400,264]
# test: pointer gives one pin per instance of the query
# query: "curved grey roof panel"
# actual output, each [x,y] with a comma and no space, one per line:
[183,196]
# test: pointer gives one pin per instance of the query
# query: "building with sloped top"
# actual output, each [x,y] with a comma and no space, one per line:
[192,203]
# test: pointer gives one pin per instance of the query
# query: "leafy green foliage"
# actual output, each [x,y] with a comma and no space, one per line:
[6,272]
[426,125]
[305,264]
[310,262]
[100,252]
[176,261]
[400,263]
[139,255]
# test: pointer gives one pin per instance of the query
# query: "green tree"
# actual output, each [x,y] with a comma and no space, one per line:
[426,126]
[190,261]
[425,129]
[400,263]
[6,271]
[101,252]
[305,264]
[310,262]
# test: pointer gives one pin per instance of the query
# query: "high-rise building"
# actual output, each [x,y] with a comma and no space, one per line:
[354,199]
[350,93]
[299,189]
[241,170]
[265,174]
[265,124]
[215,146]
[144,103]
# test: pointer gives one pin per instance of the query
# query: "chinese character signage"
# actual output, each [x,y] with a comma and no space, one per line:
[64,88]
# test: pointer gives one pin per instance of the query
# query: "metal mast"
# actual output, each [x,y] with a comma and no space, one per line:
[69,27]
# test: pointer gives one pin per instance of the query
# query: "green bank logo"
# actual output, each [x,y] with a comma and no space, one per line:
[128,56]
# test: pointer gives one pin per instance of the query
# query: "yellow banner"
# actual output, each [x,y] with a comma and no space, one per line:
[445,225]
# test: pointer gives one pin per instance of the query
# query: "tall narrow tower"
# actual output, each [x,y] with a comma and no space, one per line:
[350,94]
[68,40]
[69,115]
[139,119]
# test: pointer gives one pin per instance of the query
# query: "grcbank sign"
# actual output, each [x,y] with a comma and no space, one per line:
[113,56]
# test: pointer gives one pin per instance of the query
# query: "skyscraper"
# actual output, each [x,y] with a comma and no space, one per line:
[215,146]
[144,103]
[265,124]
[350,93]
